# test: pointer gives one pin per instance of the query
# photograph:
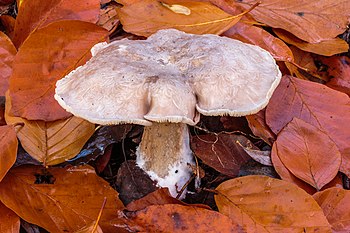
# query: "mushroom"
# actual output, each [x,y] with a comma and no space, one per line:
[163,83]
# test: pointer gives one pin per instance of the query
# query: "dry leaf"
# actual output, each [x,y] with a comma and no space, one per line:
[286,175]
[335,203]
[159,197]
[8,152]
[308,153]
[45,57]
[259,127]
[7,54]
[8,23]
[91,228]
[146,17]
[338,71]
[220,152]
[179,218]
[68,200]
[326,47]
[310,20]
[304,65]
[262,157]
[51,142]
[108,18]
[36,14]
[316,104]
[263,204]
[258,36]
[9,221]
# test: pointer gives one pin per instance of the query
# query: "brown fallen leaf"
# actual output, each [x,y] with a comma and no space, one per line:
[91,228]
[108,17]
[316,104]
[310,20]
[286,175]
[45,57]
[36,14]
[202,17]
[338,72]
[159,197]
[8,22]
[259,127]
[51,142]
[304,66]
[263,204]
[220,152]
[335,203]
[7,55]
[179,218]
[9,221]
[308,153]
[258,36]
[70,198]
[8,152]
[326,47]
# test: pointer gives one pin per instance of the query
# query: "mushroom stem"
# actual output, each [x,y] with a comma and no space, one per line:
[165,155]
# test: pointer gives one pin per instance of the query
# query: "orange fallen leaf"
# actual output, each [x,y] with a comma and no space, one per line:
[108,18]
[338,71]
[316,104]
[326,47]
[303,66]
[159,197]
[221,152]
[8,23]
[36,14]
[45,57]
[263,204]
[310,20]
[259,127]
[70,198]
[335,203]
[7,55]
[308,153]
[258,36]
[91,228]
[286,175]
[9,221]
[8,152]
[146,17]
[51,142]
[179,218]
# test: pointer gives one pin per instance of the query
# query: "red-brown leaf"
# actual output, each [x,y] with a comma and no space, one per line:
[335,203]
[7,55]
[258,36]
[310,20]
[220,152]
[179,218]
[69,198]
[148,16]
[8,152]
[316,104]
[9,221]
[308,153]
[266,205]
[45,57]
[326,47]
[338,71]
[35,14]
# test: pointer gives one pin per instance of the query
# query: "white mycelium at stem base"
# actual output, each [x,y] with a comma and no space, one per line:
[165,155]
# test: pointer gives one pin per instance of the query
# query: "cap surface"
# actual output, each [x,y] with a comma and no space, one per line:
[167,77]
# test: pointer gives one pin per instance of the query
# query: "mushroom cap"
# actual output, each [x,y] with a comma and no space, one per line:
[167,77]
